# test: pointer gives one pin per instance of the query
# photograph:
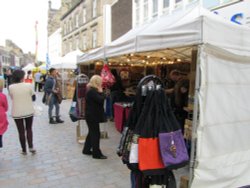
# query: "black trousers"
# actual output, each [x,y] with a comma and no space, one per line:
[38,85]
[93,138]
[25,130]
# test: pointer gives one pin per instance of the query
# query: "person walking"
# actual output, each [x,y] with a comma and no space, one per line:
[22,109]
[38,76]
[3,109]
[52,91]
[94,115]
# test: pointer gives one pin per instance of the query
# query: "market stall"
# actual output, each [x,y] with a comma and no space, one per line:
[219,73]
[66,68]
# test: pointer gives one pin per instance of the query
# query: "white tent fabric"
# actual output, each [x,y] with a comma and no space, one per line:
[190,27]
[69,61]
[223,142]
[28,67]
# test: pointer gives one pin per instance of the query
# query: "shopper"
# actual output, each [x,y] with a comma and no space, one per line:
[52,91]
[38,80]
[22,109]
[3,109]
[94,115]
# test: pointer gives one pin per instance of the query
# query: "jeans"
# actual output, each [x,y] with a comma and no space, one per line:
[54,102]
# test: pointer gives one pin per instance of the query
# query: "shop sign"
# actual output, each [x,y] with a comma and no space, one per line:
[238,13]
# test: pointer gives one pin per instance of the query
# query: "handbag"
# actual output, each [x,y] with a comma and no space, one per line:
[108,78]
[73,112]
[172,146]
[150,161]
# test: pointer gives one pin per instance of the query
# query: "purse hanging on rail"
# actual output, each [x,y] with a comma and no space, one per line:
[172,145]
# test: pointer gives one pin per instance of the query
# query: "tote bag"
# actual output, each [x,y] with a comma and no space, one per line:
[150,161]
[172,146]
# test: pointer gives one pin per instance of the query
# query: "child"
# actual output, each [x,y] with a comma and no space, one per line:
[3,109]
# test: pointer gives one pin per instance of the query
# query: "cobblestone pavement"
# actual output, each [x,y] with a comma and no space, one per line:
[59,161]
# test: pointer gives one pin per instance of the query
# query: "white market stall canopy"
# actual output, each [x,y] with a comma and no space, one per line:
[222,90]
[190,27]
[69,61]
[29,67]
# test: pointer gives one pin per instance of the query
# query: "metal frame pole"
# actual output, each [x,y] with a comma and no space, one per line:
[195,119]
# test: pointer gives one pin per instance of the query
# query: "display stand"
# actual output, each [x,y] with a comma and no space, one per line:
[81,87]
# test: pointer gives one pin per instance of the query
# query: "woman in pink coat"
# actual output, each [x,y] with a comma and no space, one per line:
[3,109]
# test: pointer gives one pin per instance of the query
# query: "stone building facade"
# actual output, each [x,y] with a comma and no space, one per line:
[82,25]
[12,56]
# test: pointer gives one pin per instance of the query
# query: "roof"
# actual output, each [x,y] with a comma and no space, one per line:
[193,26]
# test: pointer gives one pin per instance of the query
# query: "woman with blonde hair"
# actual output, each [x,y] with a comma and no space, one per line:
[94,115]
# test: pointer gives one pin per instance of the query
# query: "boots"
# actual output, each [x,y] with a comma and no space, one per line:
[58,120]
[52,121]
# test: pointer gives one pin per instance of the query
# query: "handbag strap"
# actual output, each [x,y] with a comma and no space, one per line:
[146,109]
[169,120]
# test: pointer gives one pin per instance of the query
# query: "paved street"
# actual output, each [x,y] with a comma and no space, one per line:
[59,162]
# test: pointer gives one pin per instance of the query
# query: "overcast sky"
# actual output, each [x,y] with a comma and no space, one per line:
[17,20]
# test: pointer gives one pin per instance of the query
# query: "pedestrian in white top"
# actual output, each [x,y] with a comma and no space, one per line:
[38,81]
[22,110]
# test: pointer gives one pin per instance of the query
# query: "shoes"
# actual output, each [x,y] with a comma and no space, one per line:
[23,152]
[32,150]
[58,120]
[87,153]
[100,157]
[52,121]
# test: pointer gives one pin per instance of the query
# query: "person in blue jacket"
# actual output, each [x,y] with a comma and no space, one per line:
[52,92]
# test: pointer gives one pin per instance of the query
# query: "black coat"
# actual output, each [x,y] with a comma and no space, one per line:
[94,106]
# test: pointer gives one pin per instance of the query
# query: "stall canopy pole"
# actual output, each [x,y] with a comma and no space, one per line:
[195,117]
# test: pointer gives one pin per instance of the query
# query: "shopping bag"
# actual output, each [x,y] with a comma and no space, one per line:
[173,149]
[150,161]
[150,156]
[172,145]
[73,114]
[108,78]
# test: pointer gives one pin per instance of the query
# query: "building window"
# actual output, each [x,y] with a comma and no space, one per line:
[211,4]
[77,42]
[84,15]
[165,4]
[94,8]
[84,42]
[178,3]
[137,12]
[70,46]
[77,20]
[64,28]
[94,39]
[155,8]
[72,24]
[145,9]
